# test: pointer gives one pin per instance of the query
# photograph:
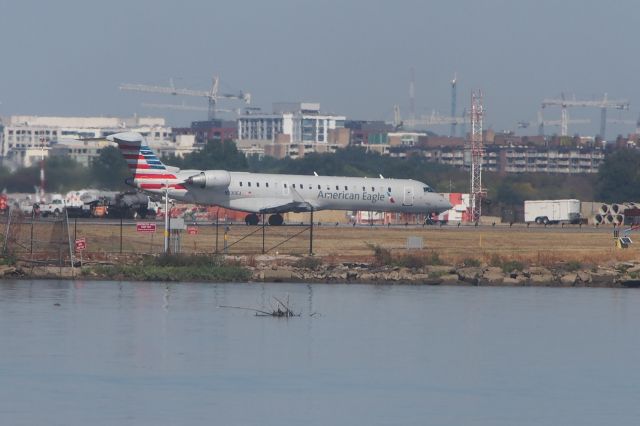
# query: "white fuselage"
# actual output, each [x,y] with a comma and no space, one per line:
[273,193]
[261,192]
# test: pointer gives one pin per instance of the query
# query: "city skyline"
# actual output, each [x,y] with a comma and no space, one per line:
[354,57]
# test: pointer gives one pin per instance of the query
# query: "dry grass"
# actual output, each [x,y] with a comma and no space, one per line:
[453,244]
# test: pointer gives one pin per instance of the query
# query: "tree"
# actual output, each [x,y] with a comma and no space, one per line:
[214,155]
[63,174]
[619,177]
[110,170]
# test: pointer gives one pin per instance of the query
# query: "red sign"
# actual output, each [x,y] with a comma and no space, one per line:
[192,230]
[81,244]
[146,227]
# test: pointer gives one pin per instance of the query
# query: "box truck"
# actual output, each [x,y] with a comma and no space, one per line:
[552,211]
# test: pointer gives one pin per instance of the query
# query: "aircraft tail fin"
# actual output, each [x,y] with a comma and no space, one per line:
[148,171]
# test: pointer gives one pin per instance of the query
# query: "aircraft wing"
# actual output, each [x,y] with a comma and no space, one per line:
[283,206]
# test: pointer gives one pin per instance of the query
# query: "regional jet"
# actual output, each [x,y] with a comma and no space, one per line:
[273,194]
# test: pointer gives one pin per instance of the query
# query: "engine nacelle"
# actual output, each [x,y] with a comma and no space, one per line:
[210,179]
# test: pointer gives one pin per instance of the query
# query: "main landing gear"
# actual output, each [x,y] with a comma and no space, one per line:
[253,219]
[276,220]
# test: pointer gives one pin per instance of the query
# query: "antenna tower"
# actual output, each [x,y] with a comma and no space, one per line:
[477,153]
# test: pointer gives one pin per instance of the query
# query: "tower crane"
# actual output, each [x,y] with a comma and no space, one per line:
[541,123]
[603,104]
[435,119]
[623,121]
[212,94]
[454,83]
[186,107]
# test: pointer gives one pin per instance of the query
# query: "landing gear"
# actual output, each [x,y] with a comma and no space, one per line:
[276,220]
[252,219]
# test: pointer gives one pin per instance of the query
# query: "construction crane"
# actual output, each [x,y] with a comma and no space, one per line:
[622,121]
[542,124]
[185,107]
[212,94]
[454,82]
[435,119]
[603,104]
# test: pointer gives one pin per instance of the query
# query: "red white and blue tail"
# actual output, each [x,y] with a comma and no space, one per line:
[149,173]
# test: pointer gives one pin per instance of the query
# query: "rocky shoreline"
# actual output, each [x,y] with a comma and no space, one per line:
[295,269]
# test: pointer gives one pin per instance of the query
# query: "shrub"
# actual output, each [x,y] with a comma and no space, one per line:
[495,261]
[7,259]
[183,260]
[471,262]
[310,262]
[573,265]
[381,255]
[512,265]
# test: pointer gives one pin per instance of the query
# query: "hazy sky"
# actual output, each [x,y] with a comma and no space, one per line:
[352,56]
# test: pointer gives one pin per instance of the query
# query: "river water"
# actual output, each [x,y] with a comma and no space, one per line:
[122,353]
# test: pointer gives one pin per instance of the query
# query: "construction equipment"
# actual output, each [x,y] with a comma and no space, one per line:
[186,107]
[212,94]
[603,104]
[542,124]
[435,119]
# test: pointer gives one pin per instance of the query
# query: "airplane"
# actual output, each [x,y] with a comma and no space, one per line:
[273,194]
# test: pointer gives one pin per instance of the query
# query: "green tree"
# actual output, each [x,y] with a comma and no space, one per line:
[110,170]
[214,155]
[63,174]
[619,177]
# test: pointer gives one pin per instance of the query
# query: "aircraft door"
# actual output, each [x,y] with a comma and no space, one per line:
[285,188]
[408,196]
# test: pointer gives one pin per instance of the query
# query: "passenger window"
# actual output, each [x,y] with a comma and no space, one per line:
[240,183]
[266,184]
[310,186]
[248,183]
[258,184]
[373,189]
[293,186]
[337,187]
[301,186]
[285,185]
[319,187]
[364,189]
[346,188]
[328,188]
[389,189]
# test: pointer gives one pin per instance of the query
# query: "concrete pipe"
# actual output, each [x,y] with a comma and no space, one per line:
[608,218]
[598,219]
[604,209]
[616,208]
[618,219]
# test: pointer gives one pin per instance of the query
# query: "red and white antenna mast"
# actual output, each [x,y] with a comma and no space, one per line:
[477,153]
[42,180]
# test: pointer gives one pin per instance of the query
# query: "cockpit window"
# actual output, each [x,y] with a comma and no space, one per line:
[427,188]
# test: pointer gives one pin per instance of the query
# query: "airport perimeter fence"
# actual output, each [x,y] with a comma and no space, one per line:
[56,241]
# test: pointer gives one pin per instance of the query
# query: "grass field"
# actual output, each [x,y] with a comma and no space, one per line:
[453,244]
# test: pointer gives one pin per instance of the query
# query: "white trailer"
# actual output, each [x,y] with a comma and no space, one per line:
[552,211]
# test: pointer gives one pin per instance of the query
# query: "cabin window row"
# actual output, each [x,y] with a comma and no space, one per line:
[301,186]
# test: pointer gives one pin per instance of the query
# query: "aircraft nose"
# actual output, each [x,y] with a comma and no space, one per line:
[443,205]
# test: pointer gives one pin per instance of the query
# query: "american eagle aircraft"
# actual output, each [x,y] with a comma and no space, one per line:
[261,193]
